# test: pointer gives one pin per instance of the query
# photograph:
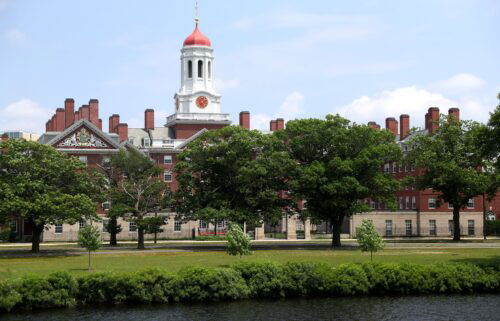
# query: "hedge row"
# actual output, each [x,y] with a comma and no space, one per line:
[245,280]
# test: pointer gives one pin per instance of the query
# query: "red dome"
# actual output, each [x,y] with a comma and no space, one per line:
[197,39]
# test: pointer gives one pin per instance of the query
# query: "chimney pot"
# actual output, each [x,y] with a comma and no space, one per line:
[245,119]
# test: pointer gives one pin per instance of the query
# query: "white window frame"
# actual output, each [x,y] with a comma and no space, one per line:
[471,227]
[221,224]
[387,168]
[471,201]
[82,224]
[167,159]
[202,224]
[167,176]
[408,227]
[106,160]
[146,142]
[14,224]
[433,231]
[106,206]
[177,226]
[401,204]
[105,223]
[84,159]
[57,227]
[388,231]
[413,203]
[407,203]
[132,227]
[431,200]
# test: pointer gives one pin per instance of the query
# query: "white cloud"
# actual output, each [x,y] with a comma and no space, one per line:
[25,115]
[16,38]
[461,82]
[222,84]
[391,103]
[289,109]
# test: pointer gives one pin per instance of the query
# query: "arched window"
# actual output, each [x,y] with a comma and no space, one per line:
[209,70]
[200,69]
[190,69]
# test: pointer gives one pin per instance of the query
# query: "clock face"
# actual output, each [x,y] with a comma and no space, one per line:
[202,102]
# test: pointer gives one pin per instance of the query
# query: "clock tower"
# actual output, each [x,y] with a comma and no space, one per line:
[197,101]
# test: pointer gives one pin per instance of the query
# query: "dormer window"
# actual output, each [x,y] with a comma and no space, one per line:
[146,142]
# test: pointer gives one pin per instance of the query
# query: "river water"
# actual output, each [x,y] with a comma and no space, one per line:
[471,307]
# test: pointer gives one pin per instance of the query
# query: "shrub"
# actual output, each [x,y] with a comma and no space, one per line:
[9,295]
[263,279]
[492,227]
[56,290]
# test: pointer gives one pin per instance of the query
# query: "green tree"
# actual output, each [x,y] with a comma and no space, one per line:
[140,190]
[89,238]
[112,177]
[339,165]
[44,186]
[153,225]
[232,172]
[368,238]
[238,243]
[451,163]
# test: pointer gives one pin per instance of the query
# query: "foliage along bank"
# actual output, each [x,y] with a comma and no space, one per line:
[245,280]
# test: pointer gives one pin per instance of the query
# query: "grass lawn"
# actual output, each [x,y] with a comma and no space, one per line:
[173,261]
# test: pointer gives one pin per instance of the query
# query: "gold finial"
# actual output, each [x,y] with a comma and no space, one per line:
[196,12]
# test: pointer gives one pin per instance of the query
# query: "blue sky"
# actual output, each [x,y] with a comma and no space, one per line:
[366,60]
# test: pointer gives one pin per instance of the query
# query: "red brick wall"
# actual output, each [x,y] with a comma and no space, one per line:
[184,131]
[245,119]
[94,111]
[69,108]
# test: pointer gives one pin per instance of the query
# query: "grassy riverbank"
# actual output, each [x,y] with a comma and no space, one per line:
[129,261]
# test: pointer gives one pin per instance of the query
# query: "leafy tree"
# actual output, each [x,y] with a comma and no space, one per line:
[140,190]
[451,163]
[153,225]
[89,238]
[368,238]
[44,186]
[213,216]
[339,166]
[238,243]
[235,173]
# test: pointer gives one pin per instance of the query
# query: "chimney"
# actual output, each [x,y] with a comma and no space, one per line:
[433,119]
[245,119]
[47,126]
[100,124]
[454,112]
[114,120]
[374,125]
[404,126]
[149,119]
[392,124]
[123,132]
[60,119]
[4,137]
[280,124]
[272,125]
[69,112]
[94,111]
[54,123]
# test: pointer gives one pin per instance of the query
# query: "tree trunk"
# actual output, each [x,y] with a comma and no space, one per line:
[36,236]
[140,239]
[112,227]
[215,228]
[337,225]
[89,260]
[456,223]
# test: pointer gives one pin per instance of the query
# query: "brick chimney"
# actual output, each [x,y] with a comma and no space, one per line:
[392,125]
[69,112]
[122,132]
[60,119]
[94,111]
[404,126]
[85,112]
[149,119]
[53,121]
[100,124]
[433,120]
[114,120]
[245,119]
[280,124]
[272,125]
[4,137]
[374,125]
[454,112]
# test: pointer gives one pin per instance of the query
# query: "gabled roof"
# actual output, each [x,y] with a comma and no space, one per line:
[83,122]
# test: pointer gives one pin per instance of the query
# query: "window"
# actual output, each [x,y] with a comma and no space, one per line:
[167,159]
[83,159]
[82,224]
[58,228]
[470,203]
[412,168]
[470,227]
[200,69]
[431,203]
[146,142]
[400,168]
[221,224]
[451,226]
[372,204]
[401,203]
[132,227]
[190,69]
[407,202]
[386,168]
[432,228]
[106,205]
[131,140]
[413,202]
[406,169]
[388,228]
[177,226]
[105,224]
[13,226]
[407,188]
[203,224]
[209,70]
[450,206]
[408,228]
[167,176]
